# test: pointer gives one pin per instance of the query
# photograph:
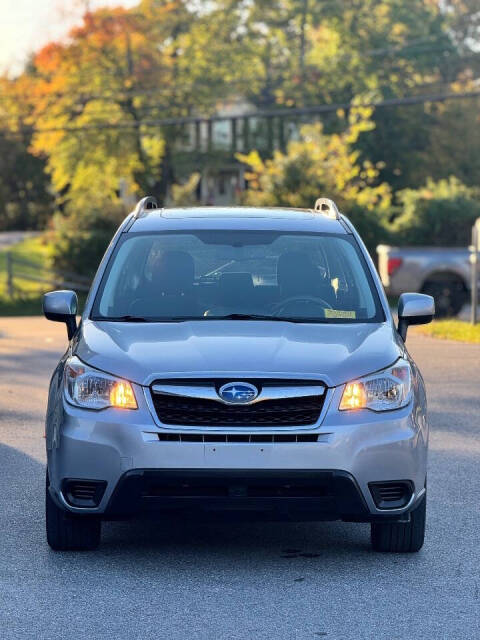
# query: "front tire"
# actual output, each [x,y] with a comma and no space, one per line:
[399,537]
[69,533]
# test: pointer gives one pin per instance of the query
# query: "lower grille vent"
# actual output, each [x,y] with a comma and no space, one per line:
[83,493]
[237,437]
[391,495]
[240,488]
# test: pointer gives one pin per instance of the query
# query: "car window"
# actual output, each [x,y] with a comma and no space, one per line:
[214,274]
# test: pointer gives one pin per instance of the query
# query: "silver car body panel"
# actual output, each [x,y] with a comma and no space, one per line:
[371,446]
[144,353]
[103,445]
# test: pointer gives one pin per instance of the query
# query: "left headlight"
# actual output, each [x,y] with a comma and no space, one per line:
[90,388]
[381,391]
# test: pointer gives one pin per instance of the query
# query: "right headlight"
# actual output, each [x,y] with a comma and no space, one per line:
[382,391]
[90,388]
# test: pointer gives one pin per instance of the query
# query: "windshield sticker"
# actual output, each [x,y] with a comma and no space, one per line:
[339,313]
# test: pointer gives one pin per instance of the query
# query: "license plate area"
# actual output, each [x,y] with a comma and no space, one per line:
[234,455]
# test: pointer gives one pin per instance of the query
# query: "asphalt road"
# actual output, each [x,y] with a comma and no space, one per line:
[9,238]
[239,582]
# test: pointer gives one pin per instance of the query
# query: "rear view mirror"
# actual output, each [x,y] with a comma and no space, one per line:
[414,308]
[61,306]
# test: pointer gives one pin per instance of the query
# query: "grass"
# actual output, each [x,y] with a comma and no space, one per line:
[27,299]
[451,330]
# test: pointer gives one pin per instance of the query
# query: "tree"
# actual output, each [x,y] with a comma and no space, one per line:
[82,88]
[321,164]
[25,198]
[90,101]
[318,164]
[427,214]
[121,69]
[453,147]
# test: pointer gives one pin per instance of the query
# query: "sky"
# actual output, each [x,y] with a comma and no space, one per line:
[27,25]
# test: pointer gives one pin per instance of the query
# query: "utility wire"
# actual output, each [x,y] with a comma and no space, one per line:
[112,110]
[269,113]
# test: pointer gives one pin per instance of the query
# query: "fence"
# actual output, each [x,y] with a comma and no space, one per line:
[19,270]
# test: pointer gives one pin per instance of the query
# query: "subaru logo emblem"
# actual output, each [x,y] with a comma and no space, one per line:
[238,393]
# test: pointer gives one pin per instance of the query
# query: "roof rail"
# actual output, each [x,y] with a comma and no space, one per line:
[327,207]
[145,204]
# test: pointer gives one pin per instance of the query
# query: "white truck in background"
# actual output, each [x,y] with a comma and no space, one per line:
[442,272]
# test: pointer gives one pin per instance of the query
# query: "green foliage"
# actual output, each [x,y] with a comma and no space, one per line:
[95,94]
[318,164]
[25,201]
[386,46]
[82,236]
[439,214]
[372,226]
[185,195]
[130,66]
[453,146]
[27,298]
[324,165]
[451,330]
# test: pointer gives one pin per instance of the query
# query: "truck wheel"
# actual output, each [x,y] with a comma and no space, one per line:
[401,537]
[69,533]
[449,294]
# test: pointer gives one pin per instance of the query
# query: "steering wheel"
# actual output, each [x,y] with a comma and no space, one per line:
[310,300]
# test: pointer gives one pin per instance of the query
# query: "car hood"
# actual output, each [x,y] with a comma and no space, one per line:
[333,353]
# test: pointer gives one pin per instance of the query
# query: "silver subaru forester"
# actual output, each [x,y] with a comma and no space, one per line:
[237,362]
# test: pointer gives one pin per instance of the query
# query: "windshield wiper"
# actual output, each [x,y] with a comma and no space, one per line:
[254,316]
[153,319]
[123,319]
[230,316]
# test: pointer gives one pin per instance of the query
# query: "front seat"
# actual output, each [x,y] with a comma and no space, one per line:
[298,276]
[171,292]
[236,293]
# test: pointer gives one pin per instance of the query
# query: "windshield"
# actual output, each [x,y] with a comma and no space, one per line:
[208,275]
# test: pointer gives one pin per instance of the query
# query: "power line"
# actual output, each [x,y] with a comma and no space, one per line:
[269,113]
[111,110]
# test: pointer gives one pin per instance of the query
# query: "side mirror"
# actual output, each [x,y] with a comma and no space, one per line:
[414,308]
[61,306]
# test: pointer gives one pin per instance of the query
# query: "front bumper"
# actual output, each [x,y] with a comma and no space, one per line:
[126,451]
[258,494]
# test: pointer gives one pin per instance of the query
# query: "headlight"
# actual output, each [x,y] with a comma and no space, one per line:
[382,391]
[92,389]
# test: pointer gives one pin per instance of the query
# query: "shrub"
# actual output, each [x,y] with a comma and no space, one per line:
[185,195]
[81,237]
[371,227]
[318,164]
[439,214]
[321,164]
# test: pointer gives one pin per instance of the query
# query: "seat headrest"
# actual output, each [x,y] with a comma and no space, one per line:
[296,272]
[173,272]
[234,287]
[237,280]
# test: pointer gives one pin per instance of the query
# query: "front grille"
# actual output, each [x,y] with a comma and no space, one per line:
[238,488]
[278,412]
[83,493]
[240,437]
[391,495]
[268,494]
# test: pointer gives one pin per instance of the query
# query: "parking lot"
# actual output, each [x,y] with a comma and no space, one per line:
[248,581]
